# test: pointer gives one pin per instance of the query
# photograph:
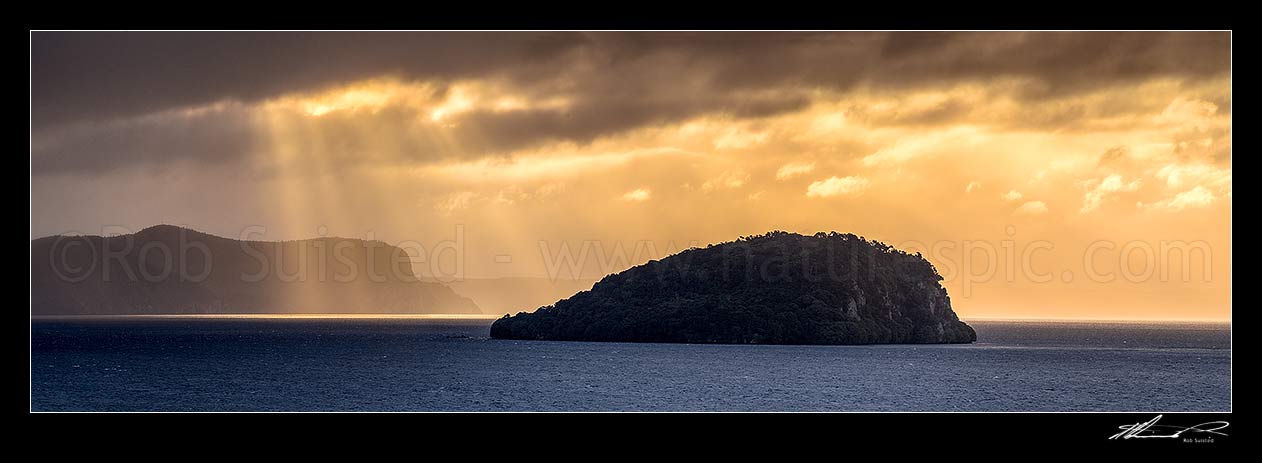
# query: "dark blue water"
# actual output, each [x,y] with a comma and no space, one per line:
[419,365]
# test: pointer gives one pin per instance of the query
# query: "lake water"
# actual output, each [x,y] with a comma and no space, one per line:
[409,364]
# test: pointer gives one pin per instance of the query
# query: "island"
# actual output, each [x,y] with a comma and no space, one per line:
[775,288]
[167,269]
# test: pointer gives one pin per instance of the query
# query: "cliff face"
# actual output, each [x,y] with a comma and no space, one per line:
[778,288]
[171,270]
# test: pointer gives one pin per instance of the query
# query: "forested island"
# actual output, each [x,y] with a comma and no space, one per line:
[776,288]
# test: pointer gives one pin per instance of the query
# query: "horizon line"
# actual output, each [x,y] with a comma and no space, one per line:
[1097,320]
[490,316]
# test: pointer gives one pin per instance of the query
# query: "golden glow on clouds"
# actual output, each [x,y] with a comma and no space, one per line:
[794,169]
[1032,208]
[637,195]
[727,179]
[364,96]
[833,186]
[1198,196]
[1111,184]
[438,101]
[537,166]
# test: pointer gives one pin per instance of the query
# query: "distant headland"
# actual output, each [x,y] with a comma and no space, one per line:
[166,269]
[776,288]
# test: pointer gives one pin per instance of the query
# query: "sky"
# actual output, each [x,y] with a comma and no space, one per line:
[1045,174]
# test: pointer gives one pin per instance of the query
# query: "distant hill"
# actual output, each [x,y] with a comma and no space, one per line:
[513,294]
[171,270]
[777,288]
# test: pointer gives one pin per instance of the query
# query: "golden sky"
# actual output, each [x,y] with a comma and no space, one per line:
[1048,175]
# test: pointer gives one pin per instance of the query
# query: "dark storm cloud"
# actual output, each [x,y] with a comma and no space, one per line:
[84,83]
[212,136]
[1058,62]
[87,75]
[501,131]
[83,75]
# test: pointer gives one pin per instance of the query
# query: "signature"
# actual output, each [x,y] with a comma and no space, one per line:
[1151,430]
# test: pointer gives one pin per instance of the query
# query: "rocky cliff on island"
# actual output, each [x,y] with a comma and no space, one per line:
[777,288]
